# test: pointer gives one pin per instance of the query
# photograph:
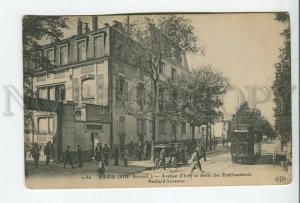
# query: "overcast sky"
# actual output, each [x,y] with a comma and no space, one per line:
[244,47]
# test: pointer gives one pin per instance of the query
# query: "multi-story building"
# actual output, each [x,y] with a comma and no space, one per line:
[100,92]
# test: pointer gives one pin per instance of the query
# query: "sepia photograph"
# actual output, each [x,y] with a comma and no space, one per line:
[146,100]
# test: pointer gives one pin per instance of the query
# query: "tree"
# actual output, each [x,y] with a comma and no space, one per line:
[197,97]
[253,117]
[282,84]
[147,44]
[36,28]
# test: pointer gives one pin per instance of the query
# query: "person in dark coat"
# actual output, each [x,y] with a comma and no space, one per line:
[79,156]
[68,157]
[35,153]
[106,151]
[97,152]
[130,148]
[47,153]
[116,156]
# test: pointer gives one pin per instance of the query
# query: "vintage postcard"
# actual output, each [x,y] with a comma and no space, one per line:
[157,100]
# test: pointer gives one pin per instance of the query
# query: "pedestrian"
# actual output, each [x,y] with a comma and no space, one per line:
[195,161]
[130,148]
[47,153]
[106,151]
[101,166]
[139,151]
[35,153]
[116,156]
[68,157]
[79,156]
[125,156]
[145,152]
[162,158]
[97,149]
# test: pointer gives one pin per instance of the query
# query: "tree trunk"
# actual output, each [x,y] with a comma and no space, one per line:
[206,136]
[154,119]
[210,140]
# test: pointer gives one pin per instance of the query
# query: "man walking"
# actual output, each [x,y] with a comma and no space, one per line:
[35,153]
[79,156]
[106,151]
[68,157]
[125,156]
[195,161]
[47,153]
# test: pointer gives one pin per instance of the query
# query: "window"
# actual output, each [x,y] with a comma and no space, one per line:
[141,97]
[63,55]
[43,93]
[224,126]
[174,73]
[160,99]
[59,93]
[37,59]
[81,50]
[162,68]
[45,125]
[98,45]
[88,89]
[161,127]
[50,55]
[53,93]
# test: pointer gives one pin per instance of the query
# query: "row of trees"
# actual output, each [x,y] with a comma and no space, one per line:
[245,115]
[282,84]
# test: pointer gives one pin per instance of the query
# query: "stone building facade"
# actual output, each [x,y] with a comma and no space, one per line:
[100,92]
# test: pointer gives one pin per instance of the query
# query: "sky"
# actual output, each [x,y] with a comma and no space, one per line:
[244,47]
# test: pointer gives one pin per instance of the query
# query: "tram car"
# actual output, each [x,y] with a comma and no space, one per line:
[245,144]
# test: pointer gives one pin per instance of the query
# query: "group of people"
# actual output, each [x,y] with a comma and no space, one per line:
[35,153]
[69,157]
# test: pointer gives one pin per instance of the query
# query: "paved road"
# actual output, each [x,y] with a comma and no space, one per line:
[218,164]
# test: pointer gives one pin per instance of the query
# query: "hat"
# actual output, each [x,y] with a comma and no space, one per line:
[197,149]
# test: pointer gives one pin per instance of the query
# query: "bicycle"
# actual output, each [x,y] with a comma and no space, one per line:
[170,163]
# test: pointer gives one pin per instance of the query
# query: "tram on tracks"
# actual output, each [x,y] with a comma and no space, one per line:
[245,144]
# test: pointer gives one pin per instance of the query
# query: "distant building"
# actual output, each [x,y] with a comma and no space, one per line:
[93,85]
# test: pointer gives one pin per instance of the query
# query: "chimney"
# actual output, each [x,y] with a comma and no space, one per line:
[79,27]
[117,24]
[86,27]
[95,23]
[106,24]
